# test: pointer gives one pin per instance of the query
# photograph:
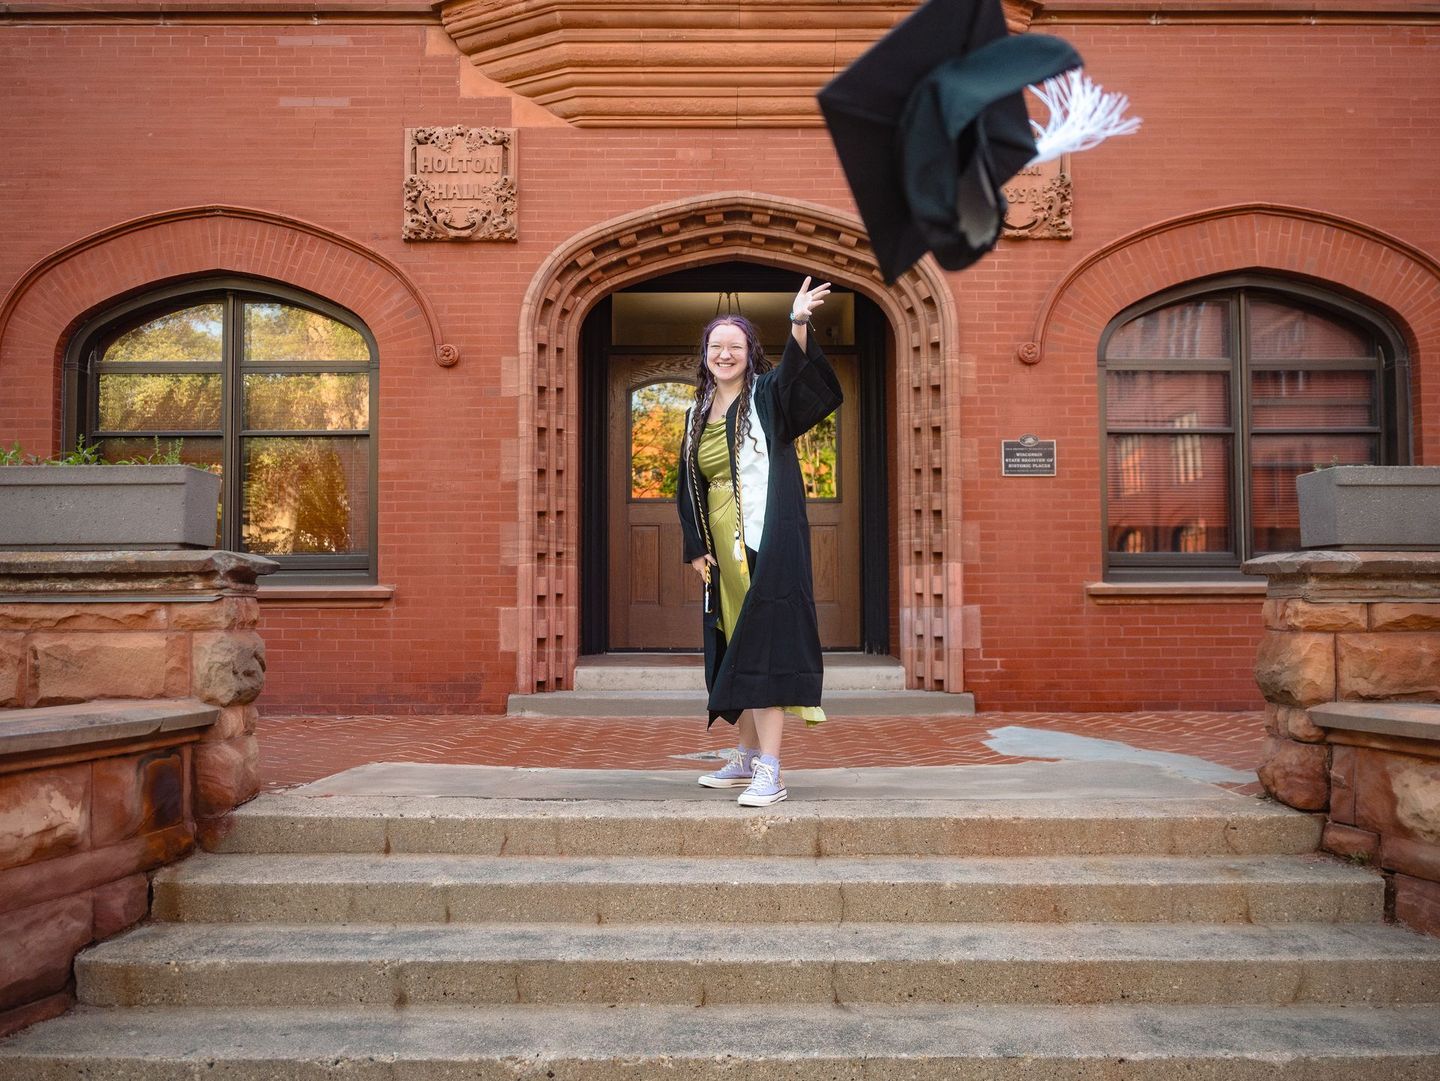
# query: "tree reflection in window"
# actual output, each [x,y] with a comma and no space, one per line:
[657,428]
[273,391]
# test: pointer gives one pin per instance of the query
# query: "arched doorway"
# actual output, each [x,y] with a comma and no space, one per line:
[638,370]
[925,519]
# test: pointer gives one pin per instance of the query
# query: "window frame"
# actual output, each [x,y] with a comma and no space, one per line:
[1393,430]
[80,403]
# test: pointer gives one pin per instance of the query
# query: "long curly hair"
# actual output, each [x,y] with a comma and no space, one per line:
[756,362]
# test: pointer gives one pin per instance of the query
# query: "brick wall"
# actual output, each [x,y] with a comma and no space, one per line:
[111,121]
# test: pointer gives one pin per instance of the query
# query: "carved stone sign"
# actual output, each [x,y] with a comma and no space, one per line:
[459,184]
[1039,198]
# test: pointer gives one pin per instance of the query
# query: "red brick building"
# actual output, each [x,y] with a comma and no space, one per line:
[204,206]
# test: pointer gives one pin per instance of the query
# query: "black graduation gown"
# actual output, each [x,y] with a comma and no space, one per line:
[773,657]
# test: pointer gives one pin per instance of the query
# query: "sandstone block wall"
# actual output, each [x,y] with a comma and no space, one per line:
[1358,627]
[86,813]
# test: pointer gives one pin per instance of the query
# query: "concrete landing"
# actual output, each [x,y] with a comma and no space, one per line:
[1047,781]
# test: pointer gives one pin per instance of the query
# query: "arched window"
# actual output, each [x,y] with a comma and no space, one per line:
[1215,398]
[269,387]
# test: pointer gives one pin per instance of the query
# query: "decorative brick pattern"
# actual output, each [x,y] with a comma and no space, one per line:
[312,201]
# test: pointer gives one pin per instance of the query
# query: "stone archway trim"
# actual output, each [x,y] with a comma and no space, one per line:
[713,228]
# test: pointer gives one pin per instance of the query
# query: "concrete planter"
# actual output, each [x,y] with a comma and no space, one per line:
[1370,507]
[96,507]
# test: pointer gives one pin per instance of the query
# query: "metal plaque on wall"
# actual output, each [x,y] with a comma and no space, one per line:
[1027,457]
[460,184]
[1039,198]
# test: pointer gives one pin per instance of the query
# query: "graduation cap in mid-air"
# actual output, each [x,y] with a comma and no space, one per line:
[931,121]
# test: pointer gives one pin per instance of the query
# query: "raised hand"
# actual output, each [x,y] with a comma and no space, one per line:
[807,300]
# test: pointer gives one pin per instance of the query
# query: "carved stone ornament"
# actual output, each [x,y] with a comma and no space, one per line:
[1040,198]
[460,184]
[610,63]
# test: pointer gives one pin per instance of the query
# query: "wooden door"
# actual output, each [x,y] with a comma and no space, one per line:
[653,594]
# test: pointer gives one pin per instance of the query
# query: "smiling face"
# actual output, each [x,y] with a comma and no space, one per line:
[726,356]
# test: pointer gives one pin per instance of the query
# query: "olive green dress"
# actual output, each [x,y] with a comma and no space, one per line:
[734,574]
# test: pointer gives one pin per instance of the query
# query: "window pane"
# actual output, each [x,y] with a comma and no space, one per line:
[1167,399]
[206,453]
[328,402]
[1198,330]
[1276,460]
[816,450]
[1169,493]
[657,425]
[281,332]
[306,495]
[192,334]
[1313,399]
[193,451]
[168,402]
[1282,332]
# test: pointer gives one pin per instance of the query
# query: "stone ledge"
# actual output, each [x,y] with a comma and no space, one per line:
[26,574]
[313,596]
[51,728]
[1409,720]
[1197,592]
[1333,561]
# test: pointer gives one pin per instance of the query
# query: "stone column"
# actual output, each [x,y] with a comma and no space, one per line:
[127,731]
[1345,633]
[84,626]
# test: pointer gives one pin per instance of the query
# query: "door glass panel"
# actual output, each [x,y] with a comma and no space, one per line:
[191,334]
[278,333]
[1276,460]
[1283,332]
[818,451]
[1198,330]
[1169,493]
[331,401]
[1313,399]
[306,495]
[657,426]
[1167,399]
[159,402]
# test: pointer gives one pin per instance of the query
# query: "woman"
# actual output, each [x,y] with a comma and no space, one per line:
[742,511]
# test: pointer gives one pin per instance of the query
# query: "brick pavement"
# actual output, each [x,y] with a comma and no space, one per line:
[298,749]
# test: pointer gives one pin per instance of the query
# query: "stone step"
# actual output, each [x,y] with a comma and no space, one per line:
[690,705]
[806,1042]
[709,824]
[458,964]
[442,889]
[686,672]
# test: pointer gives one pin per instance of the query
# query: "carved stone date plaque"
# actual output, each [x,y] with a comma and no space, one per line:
[460,184]
[1039,198]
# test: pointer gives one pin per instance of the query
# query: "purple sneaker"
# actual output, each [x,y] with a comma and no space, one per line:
[733,774]
[765,787]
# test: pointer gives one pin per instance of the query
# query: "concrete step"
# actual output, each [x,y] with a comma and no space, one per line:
[708,824]
[690,704]
[443,889]
[806,1042]
[686,672]
[458,964]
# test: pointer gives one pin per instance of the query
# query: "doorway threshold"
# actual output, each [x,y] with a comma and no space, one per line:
[686,672]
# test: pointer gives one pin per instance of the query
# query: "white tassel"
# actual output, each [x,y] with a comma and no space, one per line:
[1082,116]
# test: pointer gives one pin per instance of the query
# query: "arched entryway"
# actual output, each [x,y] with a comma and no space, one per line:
[638,373]
[803,238]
